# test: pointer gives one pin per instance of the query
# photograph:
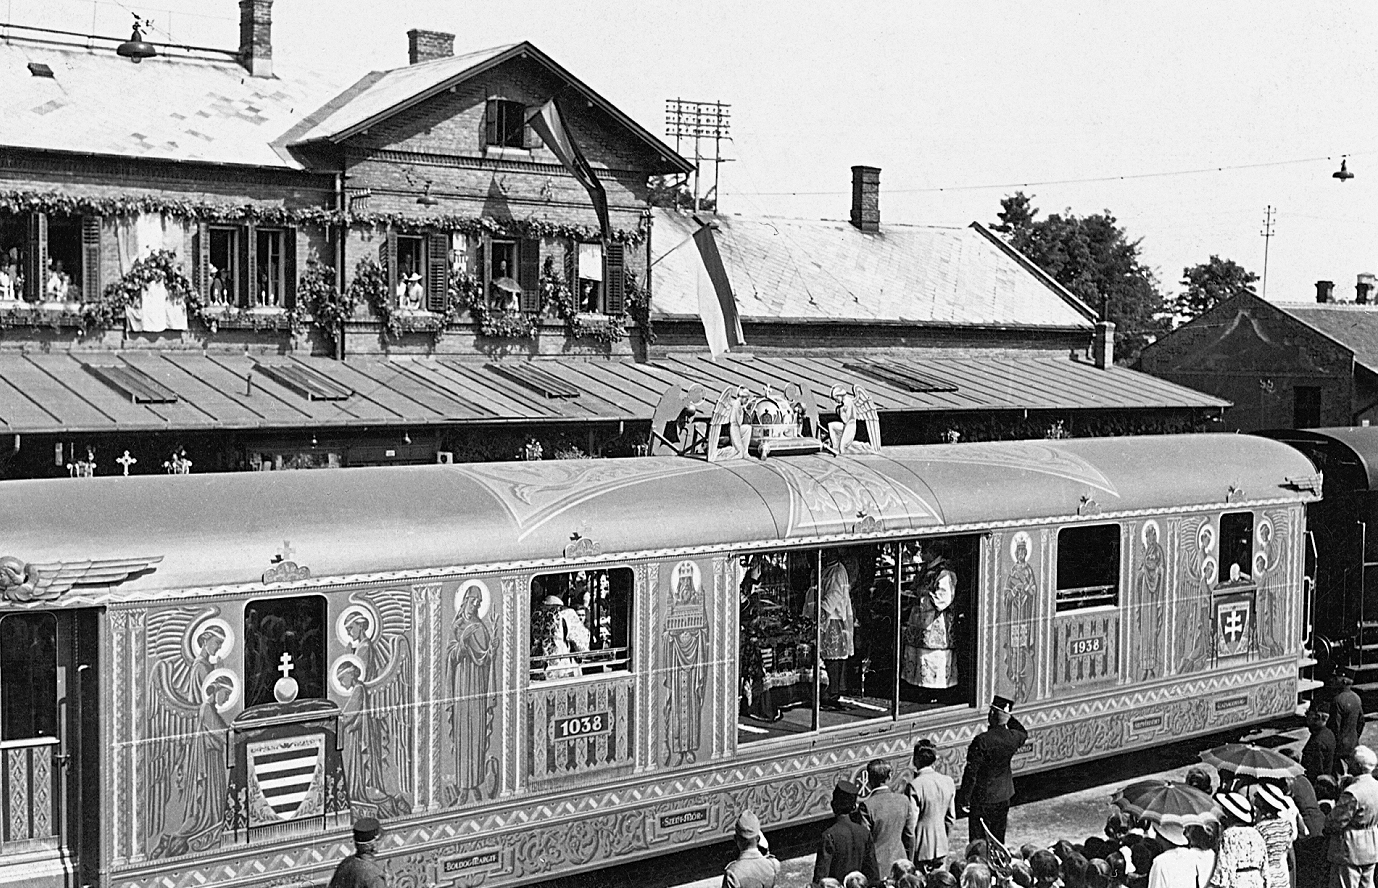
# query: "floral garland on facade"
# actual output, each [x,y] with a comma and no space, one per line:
[498,324]
[329,306]
[158,267]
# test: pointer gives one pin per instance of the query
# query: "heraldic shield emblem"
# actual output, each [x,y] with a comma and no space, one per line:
[1234,625]
[286,778]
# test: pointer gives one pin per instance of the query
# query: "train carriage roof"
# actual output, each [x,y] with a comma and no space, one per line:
[222,529]
[1349,453]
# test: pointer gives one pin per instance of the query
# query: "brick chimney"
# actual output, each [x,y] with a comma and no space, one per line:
[1103,345]
[256,37]
[1363,290]
[866,198]
[1325,291]
[427,46]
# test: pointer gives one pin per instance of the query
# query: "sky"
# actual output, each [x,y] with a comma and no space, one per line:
[1185,120]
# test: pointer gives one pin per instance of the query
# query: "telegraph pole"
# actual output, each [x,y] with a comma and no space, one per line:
[1267,235]
[699,120]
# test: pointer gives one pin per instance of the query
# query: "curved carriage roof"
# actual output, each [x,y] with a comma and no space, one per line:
[218,529]
[1359,446]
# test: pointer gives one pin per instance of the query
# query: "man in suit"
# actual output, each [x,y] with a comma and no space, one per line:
[931,795]
[1353,826]
[988,782]
[889,816]
[1318,755]
[1346,719]
[845,845]
[754,866]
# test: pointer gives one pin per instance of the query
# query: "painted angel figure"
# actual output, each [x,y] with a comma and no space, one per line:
[375,735]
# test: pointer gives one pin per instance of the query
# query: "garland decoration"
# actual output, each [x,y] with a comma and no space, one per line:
[638,302]
[160,267]
[370,287]
[466,290]
[318,293]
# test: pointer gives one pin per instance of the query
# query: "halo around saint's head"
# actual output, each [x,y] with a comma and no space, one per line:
[191,644]
[1157,532]
[353,614]
[1021,536]
[1205,537]
[226,679]
[686,570]
[484,602]
[335,672]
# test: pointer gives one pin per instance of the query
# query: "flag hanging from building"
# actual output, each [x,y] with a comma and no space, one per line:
[549,124]
[717,305]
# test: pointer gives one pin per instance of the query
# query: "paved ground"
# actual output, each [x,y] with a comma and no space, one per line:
[1071,803]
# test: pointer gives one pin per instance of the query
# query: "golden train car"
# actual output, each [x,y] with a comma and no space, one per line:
[531,669]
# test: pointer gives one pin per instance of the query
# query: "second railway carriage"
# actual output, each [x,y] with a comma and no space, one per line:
[529,669]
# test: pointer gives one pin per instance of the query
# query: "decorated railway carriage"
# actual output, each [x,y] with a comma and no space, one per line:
[528,669]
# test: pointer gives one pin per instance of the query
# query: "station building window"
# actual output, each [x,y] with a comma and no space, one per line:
[224,269]
[28,676]
[1236,547]
[1088,566]
[284,638]
[50,257]
[581,623]
[848,634]
[245,266]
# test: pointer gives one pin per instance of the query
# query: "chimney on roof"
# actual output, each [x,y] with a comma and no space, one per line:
[866,198]
[1103,345]
[255,36]
[1363,290]
[427,46]
[1325,291]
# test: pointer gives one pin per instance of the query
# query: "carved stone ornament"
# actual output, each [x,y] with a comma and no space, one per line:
[284,570]
[868,523]
[1088,506]
[22,582]
[581,546]
[1234,494]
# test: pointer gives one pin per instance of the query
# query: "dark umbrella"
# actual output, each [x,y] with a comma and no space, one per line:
[1170,803]
[1253,762]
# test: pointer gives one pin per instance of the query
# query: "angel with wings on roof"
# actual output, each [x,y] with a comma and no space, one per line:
[729,412]
[375,730]
[852,407]
[189,695]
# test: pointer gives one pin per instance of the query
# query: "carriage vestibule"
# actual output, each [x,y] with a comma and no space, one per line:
[838,635]
[580,623]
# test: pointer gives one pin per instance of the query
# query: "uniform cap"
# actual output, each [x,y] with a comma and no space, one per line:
[1002,704]
[845,793]
[366,829]
[748,826]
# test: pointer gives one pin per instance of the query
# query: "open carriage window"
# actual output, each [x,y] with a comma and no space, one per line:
[28,676]
[1088,566]
[284,649]
[1236,547]
[581,623]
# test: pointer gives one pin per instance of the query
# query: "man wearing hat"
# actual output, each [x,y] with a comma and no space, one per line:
[988,782]
[1318,755]
[1346,719]
[845,845]
[1352,826]
[360,870]
[754,866]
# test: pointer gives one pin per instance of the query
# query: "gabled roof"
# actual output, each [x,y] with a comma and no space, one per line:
[820,270]
[382,94]
[1355,327]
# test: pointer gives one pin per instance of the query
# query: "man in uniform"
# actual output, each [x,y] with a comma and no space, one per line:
[360,870]
[846,845]
[754,867]
[987,782]
[1346,719]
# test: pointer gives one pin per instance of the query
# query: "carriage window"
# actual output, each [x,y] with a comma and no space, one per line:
[28,676]
[581,623]
[1236,547]
[284,649]
[1088,566]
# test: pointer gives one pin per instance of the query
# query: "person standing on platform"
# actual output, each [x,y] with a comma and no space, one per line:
[754,867]
[360,869]
[1352,826]
[846,845]
[932,796]
[1346,719]
[889,816]
[988,781]
[1318,755]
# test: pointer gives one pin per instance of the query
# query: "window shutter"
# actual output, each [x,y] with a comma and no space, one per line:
[90,257]
[529,274]
[614,280]
[289,267]
[36,275]
[437,270]
[572,270]
[200,267]
[389,258]
[248,294]
[529,137]
[481,268]
[490,121]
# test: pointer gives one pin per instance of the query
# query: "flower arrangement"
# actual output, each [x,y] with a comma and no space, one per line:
[319,294]
[159,266]
[515,324]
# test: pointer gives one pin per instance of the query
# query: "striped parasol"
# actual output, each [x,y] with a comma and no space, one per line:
[1252,762]
[1165,802]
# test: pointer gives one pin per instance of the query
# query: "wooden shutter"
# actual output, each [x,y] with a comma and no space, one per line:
[90,257]
[614,280]
[481,250]
[437,270]
[529,273]
[36,274]
[490,122]
[289,267]
[201,265]
[248,290]
[390,264]
[572,273]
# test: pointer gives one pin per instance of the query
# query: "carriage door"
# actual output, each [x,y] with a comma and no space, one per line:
[49,728]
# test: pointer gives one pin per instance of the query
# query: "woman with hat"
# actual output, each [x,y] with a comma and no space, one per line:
[1242,853]
[1275,818]
[1188,861]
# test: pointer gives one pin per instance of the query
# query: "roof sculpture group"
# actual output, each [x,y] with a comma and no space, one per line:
[742,423]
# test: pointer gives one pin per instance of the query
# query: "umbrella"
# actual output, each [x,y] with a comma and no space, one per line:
[1164,802]
[1254,762]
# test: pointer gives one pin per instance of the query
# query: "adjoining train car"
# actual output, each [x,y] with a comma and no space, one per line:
[532,669]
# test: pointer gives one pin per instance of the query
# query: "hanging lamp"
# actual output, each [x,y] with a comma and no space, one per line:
[136,49]
[1343,173]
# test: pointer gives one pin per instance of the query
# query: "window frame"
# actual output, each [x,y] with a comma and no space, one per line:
[1247,577]
[621,662]
[252,671]
[1063,604]
[270,236]
[235,234]
[55,682]
[499,132]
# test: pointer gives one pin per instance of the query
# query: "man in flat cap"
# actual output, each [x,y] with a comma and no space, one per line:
[360,870]
[754,866]
[846,845]
[988,782]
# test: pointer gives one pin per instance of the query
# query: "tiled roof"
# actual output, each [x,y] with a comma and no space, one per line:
[47,393]
[1353,326]
[168,107]
[829,270]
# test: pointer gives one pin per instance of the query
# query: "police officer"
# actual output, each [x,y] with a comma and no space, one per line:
[988,782]
[754,866]
[360,870]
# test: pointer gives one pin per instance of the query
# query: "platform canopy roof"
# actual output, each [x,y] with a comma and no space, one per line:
[173,391]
